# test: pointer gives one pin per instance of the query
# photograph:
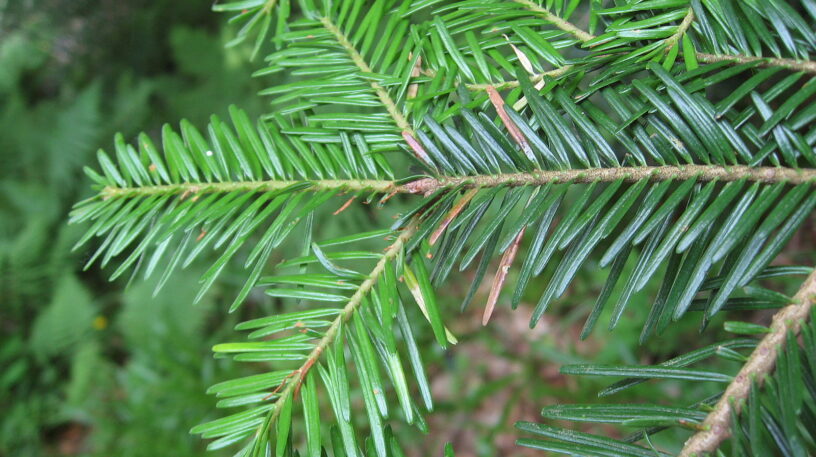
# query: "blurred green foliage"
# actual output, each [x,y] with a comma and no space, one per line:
[85,367]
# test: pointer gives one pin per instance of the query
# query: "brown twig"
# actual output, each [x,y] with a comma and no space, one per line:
[717,425]
[807,66]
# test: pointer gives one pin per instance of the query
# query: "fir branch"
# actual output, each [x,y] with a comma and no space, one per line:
[361,63]
[808,66]
[703,173]
[296,379]
[266,160]
[762,361]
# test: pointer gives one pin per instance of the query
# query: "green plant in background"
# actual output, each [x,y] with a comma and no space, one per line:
[72,379]
[674,139]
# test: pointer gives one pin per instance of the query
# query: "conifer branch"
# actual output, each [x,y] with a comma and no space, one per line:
[716,426]
[703,173]
[299,375]
[361,63]
[808,66]
[149,196]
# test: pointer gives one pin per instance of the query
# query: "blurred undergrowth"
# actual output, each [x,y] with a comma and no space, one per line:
[84,366]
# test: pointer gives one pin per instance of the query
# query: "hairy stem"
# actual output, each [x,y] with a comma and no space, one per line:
[294,381]
[717,425]
[534,178]
[663,173]
[358,60]
[557,21]
[672,41]
[807,66]
[188,189]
